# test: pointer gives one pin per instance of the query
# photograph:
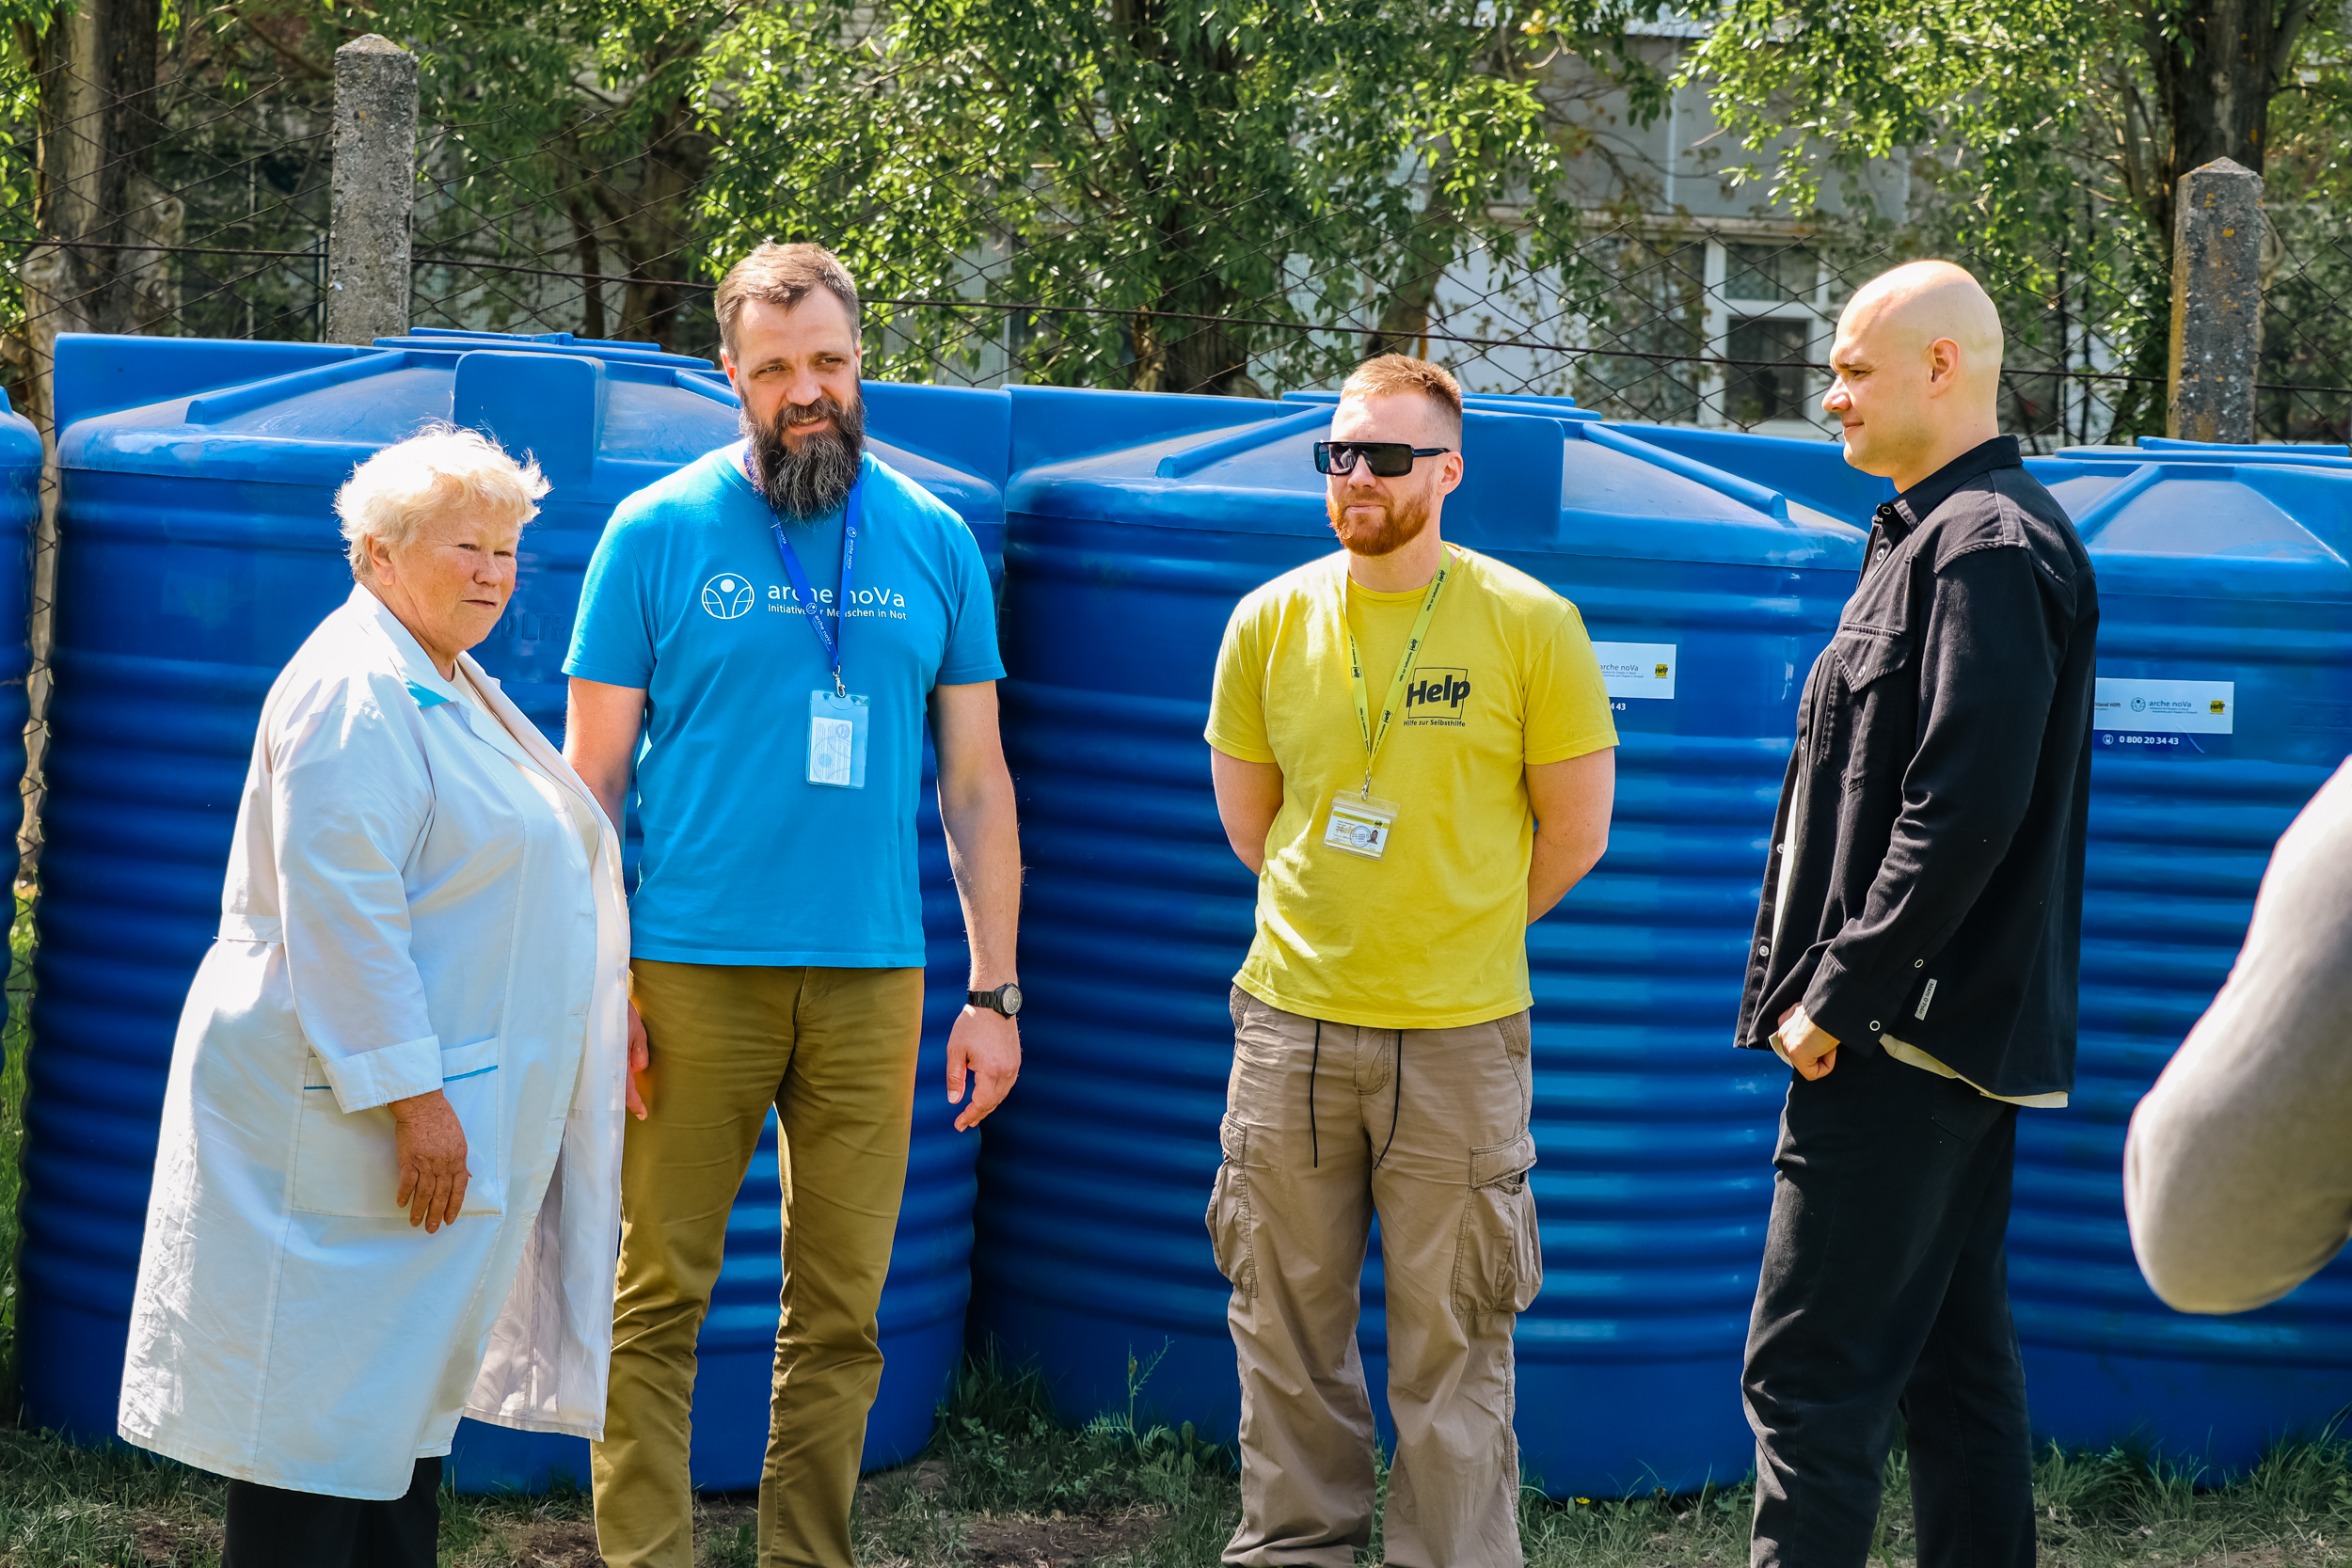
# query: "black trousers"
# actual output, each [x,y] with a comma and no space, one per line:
[270,1527]
[1885,1290]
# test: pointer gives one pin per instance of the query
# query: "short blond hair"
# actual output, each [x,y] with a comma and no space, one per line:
[439,469]
[1390,374]
[781,275]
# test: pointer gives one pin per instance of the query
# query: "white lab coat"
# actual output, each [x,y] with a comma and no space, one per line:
[406,910]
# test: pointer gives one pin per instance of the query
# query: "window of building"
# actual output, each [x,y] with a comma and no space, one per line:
[1775,388]
[1779,272]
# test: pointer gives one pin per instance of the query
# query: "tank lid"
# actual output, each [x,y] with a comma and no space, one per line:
[98,372]
[1540,476]
[446,339]
[1493,402]
[2190,526]
[600,423]
[2186,452]
[2168,445]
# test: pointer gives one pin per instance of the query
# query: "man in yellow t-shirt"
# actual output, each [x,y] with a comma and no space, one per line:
[1412,748]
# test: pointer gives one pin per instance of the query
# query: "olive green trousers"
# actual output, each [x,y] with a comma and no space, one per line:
[832,1050]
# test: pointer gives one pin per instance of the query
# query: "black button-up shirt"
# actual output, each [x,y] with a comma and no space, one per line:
[1927,870]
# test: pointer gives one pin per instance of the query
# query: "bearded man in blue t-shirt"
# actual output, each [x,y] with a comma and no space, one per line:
[762,638]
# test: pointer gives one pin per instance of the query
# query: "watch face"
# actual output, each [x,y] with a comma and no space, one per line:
[1011,995]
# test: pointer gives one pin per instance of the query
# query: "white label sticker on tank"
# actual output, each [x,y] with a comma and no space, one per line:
[2164,707]
[1638,669]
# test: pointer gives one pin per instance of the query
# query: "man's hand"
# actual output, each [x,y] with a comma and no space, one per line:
[1805,1044]
[984,1049]
[640,1058]
[430,1148]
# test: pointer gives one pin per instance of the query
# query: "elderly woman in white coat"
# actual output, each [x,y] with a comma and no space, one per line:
[387,1191]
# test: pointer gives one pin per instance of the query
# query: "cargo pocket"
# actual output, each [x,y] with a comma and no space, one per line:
[1229,1214]
[1499,1264]
[347,1163]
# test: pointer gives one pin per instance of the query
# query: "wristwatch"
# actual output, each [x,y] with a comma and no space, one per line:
[1005,999]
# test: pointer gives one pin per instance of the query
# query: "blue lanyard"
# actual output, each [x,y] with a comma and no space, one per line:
[809,606]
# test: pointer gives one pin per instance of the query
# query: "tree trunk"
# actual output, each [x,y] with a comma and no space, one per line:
[655,229]
[1429,249]
[1182,341]
[2218,64]
[1175,352]
[96,118]
[591,262]
[1181,345]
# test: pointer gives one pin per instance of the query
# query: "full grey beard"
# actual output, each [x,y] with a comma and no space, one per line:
[808,483]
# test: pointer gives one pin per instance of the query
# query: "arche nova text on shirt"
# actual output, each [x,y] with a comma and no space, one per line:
[863,601]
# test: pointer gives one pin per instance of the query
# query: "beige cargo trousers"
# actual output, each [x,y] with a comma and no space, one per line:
[1325,1125]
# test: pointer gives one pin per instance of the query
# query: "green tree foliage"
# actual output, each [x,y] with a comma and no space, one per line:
[1151,180]
[2049,135]
[555,120]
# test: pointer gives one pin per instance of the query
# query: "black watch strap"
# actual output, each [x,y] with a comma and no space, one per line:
[1005,999]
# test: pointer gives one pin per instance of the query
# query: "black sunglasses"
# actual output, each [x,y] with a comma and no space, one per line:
[1388,459]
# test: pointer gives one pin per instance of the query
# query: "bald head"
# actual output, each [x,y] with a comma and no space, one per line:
[1921,301]
[1918,363]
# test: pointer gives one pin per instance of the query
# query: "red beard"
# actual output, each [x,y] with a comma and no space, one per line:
[1400,524]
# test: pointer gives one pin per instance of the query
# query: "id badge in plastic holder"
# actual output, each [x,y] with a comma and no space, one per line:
[836,739]
[1359,824]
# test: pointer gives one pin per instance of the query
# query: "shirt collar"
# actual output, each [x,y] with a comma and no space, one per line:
[1918,503]
[425,682]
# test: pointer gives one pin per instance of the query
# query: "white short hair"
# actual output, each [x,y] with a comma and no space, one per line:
[435,470]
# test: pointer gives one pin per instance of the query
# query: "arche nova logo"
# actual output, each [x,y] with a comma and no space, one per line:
[727,595]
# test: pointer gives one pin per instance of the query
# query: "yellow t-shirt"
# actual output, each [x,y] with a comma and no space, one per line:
[1432,935]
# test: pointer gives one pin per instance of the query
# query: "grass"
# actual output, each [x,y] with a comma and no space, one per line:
[1007,1485]
[15,1037]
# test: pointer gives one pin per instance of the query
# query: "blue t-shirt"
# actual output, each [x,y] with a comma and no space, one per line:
[745,861]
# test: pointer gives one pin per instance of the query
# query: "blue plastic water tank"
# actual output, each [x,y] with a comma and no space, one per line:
[1135,523]
[2155,449]
[2222,579]
[202,549]
[2225,701]
[20,516]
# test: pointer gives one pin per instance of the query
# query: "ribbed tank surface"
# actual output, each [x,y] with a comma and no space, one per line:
[199,486]
[1134,524]
[2225,701]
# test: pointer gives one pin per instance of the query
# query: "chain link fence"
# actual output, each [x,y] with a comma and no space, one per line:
[223,225]
[209,219]
[215,218]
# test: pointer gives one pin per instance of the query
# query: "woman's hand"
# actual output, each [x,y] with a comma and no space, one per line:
[431,1150]
[640,1058]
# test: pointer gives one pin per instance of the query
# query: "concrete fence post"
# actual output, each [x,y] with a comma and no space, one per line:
[2216,304]
[375,185]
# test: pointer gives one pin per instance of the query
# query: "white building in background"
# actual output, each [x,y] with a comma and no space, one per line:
[1682,265]
[1682,269]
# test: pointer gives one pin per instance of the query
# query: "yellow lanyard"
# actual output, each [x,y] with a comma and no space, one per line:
[1403,667]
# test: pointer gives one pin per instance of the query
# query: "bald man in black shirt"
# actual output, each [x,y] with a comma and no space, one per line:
[1915,955]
